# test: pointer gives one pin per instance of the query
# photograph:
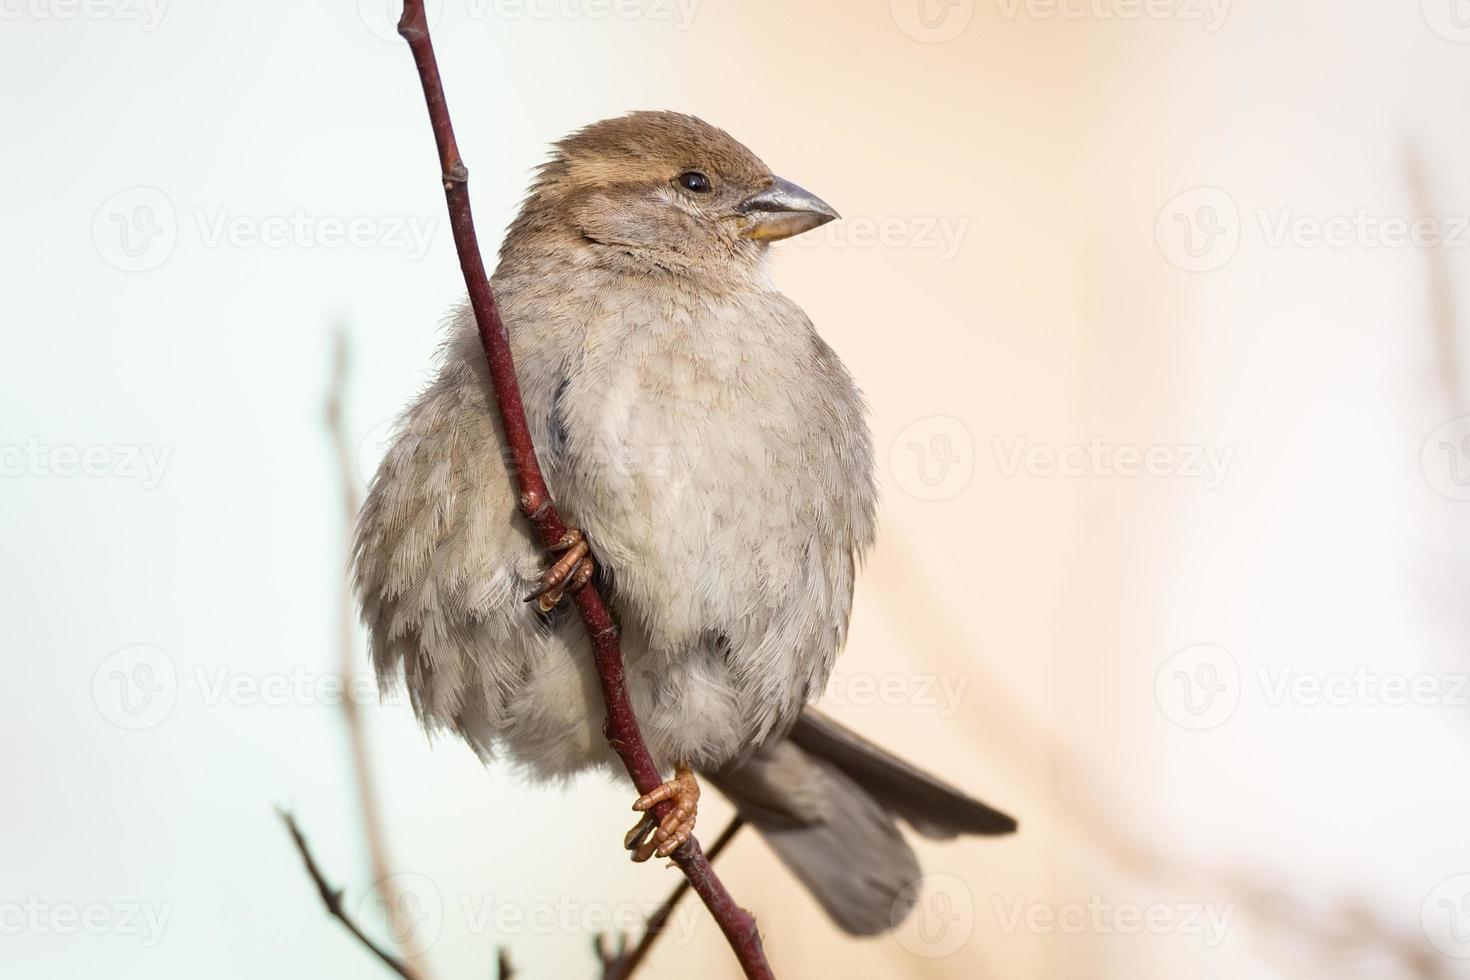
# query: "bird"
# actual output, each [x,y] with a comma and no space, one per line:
[711,454]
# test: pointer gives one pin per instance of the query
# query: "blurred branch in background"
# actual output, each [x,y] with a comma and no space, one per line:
[332,899]
[367,793]
[1349,940]
[1444,317]
[617,963]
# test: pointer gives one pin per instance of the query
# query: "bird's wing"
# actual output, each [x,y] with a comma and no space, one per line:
[442,562]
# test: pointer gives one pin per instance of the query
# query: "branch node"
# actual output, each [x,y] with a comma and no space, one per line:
[534,504]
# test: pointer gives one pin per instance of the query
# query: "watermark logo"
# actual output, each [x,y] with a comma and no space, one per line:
[1446,459]
[1208,464]
[932,21]
[410,906]
[941,916]
[1198,688]
[1199,230]
[565,916]
[131,920]
[679,13]
[1210,13]
[147,14]
[1201,686]
[373,447]
[1445,916]
[941,234]
[136,687]
[135,230]
[1101,917]
[123,461]
[1202,229]
[941,693]
[381,16]
[221,227]
[1450,19]
[933,459]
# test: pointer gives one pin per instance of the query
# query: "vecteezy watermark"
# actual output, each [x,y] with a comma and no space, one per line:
[1363,686]
[373,447]
[940,692]
[1208,464]
[932,21]
[1098,916]
[1209,13]
[413,910]
[677,13]
[1201,230]
[381,16]
[1445,459]
[1282,227]
[137,230]
[139,686]
[1450,19]
[1445,917]
[147,14]
[937,916]
[933,459]
[405,233]
[136,687]
[122,461]
[565,916]
[34,916]
[296,687]
[409,906]
[941,234]
[1200,687]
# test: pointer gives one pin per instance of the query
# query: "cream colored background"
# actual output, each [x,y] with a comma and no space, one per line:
[1056,144]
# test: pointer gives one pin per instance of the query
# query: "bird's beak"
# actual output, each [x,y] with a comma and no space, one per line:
[782,210]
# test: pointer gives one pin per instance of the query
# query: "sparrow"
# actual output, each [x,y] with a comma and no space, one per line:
[713,455]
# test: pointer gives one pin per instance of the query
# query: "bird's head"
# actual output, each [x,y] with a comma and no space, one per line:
[665,190]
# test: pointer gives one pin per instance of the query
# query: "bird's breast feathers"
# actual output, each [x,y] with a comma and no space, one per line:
[715,451]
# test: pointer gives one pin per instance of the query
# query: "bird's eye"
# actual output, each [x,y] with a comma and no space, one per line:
[693,180]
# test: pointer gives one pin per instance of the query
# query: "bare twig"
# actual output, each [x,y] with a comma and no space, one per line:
[372,822]
[332,899]
[1444,317]
[621,726]
[621,965]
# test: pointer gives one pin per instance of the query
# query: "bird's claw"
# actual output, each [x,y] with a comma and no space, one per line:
[652,837]
[569,573]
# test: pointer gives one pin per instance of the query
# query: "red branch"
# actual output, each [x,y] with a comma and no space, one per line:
[621,726]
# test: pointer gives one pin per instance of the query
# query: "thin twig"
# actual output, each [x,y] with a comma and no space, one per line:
[621,726]
[332,899]
[372,822]
[623,964]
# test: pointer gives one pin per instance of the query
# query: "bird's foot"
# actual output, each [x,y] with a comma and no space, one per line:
[570,572]
[652,837]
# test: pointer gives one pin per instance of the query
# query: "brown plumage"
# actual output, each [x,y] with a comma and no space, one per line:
[714,451]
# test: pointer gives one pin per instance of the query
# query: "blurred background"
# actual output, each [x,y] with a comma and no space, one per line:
[1159,306]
